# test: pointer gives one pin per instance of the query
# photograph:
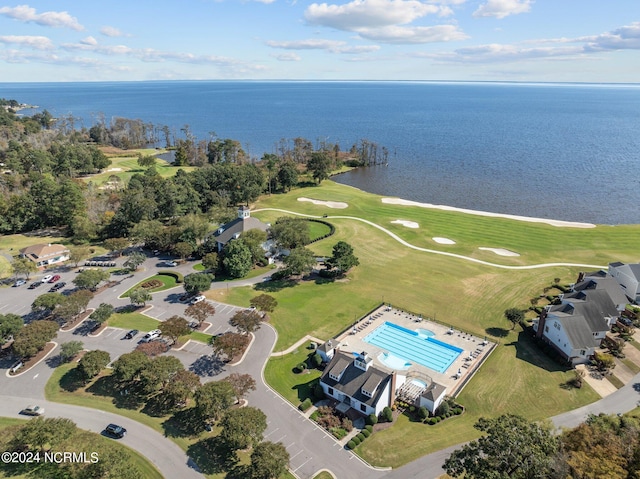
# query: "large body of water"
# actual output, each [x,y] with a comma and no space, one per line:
[568,152]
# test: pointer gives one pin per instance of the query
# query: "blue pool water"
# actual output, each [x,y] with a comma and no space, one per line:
[412,346]
[394,362]
[426,333]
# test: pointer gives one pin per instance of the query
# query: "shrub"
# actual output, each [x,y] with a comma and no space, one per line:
[437,418]
[299,368]
[318,393]
[372,419]
[423,413]
[442,418]
[316,360]
[387,414]
[154,283]
[443,409]
[351,444]
[360,436]
[412,409]
[432,421]
[304,405]
[346,424]
[338,432]
[369,428]
[366,433]
[355,440]
[457,411]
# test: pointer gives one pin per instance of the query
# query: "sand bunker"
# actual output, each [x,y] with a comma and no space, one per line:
[330,204]
[500,251]
[570,224]
[114,169]
[440,240]
[408,224]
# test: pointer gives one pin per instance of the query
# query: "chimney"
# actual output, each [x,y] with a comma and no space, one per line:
[581,276]
[541,323]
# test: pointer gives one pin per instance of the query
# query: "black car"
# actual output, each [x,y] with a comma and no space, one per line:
[131,334]
[115,431]
[35,285]
[57,286]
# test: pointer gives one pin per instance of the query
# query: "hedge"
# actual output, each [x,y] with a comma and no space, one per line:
[351,445]
[178,276]
[360,437]
[355,440]
[332,229]
[304,405]
[369,428]
[372,419]
[366,433]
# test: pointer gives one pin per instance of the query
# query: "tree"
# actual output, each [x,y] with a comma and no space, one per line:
[159,372]
[210,261]
[23,266]
[127,367]
[300,261]
[269,460]
[47,302]
[290,232]
[243,427]
[264,302]
[241,384]
[605,362]
[90,278]
[33,338]
[512,448]
[73,305]
[10,324]
[237,260]
[200,311]
[213,399]
[174,327]
[140,296]
[92,363]
[246,320]
[181,387]
[254,239]
[78,254]
[343,258]
[183,249]
[195,283]
[102,313]
[134,260]
[152,348]
[229,344]
[287,175]
[515,315]
[319,165]
[146,161]
[40,432]
[69,350]
[116,245]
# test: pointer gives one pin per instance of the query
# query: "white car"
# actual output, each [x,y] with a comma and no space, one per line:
[33,411]
[197,299]
[46,278]
[151,335]
[170,264]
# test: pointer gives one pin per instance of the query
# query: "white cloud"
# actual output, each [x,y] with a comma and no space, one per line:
[36,42]
[287,57]
[25,13]
[332,46]
[623,38]
[414,35]
[503,8]
[89,41]
[359,14]
[108,31]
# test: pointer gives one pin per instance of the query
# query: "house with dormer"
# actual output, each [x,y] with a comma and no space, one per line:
[576,327]
[353,380]
[628,277]
[233,229]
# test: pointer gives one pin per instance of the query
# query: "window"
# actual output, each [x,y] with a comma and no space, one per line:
[546,329]
[330,391]
[363,407]
[582,352]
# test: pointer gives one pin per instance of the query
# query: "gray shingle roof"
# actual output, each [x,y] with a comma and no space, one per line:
[578,332]
[434,391]
[239,225]
[353,378]
[597,281]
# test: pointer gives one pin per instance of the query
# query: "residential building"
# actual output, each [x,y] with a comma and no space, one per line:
[45,254]
[628,277]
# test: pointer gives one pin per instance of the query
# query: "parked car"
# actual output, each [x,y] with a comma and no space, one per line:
[57,286]
[115,431]
[35,285]
[33,411]
[19,282]
[151,335]
[197,299]
[131,334]
[184,298]
[170,264]
[55,278]
[46,278]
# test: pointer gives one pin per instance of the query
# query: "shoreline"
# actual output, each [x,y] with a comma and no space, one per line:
[556,223]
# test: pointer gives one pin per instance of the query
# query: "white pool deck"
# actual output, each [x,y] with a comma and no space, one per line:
[477,348]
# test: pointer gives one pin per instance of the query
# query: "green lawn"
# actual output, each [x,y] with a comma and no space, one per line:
[294,387]
[125,165]
[147,469]
[199,267]
[197,336]
[168,282]
[256,271]
[323,475]
[133,321]
[317,230]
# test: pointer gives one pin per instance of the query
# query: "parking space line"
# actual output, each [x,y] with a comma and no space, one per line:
[301,465]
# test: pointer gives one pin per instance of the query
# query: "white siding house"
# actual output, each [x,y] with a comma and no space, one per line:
[628,276]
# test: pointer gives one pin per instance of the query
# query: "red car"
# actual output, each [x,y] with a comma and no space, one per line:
[55,278]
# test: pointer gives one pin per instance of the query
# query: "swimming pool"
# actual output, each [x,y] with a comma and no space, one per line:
[392,361]
[412,346]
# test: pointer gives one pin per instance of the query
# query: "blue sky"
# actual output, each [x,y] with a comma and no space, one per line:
[467,40]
